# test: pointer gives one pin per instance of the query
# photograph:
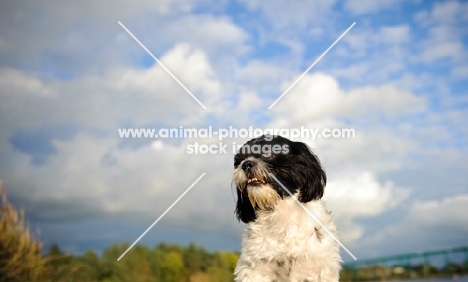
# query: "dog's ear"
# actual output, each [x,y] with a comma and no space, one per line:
[244,209]
[313,176]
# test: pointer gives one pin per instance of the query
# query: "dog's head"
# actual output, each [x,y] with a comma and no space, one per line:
[292,163]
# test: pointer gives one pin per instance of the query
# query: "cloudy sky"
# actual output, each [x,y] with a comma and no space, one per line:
[71,76]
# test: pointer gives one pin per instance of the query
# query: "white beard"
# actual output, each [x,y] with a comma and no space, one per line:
[286,244]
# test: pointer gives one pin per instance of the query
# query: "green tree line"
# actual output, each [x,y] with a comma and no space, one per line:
[165,262]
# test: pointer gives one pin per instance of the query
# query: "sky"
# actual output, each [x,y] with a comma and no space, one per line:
[71,76]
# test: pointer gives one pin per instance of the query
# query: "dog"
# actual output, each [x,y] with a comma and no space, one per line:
[282,242]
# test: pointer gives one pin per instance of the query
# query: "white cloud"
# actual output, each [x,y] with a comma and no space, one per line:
[357,41]
[460,72]
[318,96]
[260,76]
[447,211]
[147,96]
[318,102]
[445,33]
[359,7]
[314,96]
[357,195]
[395,34]
[442,50]
[438,223]
[362,195]
[214,35]
[92,169]
[248,101]
[444,12]
[282,14]
[386,99]
[15,82]
[374,55]
[89,39]
[189,65]
[357,72]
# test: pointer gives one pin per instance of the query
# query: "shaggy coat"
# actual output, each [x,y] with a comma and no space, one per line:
[282,242]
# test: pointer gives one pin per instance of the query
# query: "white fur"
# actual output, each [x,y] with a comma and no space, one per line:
[286,244]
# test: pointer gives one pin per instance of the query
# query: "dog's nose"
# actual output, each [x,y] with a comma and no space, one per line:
[247,165]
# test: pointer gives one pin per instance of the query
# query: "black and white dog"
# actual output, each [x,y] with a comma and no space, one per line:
[282,242]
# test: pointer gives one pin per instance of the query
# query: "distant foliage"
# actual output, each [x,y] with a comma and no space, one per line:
[168,263]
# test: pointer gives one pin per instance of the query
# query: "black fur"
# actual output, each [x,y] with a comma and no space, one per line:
[244,209]
[298,169]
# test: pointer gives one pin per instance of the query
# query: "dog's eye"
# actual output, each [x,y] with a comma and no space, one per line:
[268,157]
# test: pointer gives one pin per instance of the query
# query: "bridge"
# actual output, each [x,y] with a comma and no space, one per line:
[445,262]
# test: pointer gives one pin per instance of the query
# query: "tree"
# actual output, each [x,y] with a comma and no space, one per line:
[87,267]
[172,267]
[58,262]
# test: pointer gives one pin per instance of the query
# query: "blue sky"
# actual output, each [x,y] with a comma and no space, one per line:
[70,76]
